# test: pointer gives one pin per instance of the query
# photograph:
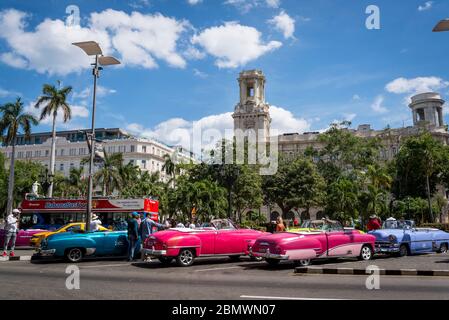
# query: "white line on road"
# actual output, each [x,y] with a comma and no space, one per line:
[106,265]
[284,298]
[213,269]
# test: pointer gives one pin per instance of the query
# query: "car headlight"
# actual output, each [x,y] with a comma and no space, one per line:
[392,238]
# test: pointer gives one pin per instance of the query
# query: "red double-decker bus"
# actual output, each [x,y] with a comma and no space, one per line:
[46,213]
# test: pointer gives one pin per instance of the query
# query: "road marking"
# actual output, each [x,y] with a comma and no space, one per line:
[213,269]
[106,265]
[285,298]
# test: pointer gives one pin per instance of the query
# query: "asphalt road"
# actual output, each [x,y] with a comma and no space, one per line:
[216,278]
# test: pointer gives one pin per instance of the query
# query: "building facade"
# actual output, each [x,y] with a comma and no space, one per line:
[72,148]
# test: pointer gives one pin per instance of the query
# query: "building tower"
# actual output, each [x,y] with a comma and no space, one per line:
[427,108]
[252,112]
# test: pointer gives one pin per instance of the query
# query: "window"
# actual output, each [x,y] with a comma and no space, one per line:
[37,154]
[28,154]
[20,154]
[131,162]
[47,152]
[82,151]
[122,149]
[421,116]
[72,166]
[62,152]
[61,167]
[73,152]
[144,164]
[144,149]
[153,150]
[133,148]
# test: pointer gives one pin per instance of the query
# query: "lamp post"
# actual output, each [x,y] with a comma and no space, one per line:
[91,48]
[45,180]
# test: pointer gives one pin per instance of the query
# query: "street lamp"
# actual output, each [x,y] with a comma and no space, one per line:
[91,48]
[443,25]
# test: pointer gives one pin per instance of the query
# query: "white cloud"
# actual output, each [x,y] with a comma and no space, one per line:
[200,74]
[138,40]
[194,2]
[79,113]
[273,3]
[284,23]
[356,97]
[8,93]
[234,45]
[416,85]
[377,107]
[427,6]
[178,131]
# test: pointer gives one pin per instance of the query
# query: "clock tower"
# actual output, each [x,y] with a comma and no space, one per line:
[252,112]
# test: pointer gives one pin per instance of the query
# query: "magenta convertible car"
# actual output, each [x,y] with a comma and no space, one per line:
[23,237]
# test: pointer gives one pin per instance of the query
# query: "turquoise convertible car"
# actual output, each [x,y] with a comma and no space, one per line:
[75,246]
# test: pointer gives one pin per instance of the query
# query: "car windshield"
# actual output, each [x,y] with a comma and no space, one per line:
[398,224]
[223,224]
[324,225]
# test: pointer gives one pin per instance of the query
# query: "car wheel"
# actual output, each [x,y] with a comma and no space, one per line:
[303,262]
[234,258]
[165,260]
[185,258]
[74,255]
[366,253]
[443,248]
[403,250]
[273,262]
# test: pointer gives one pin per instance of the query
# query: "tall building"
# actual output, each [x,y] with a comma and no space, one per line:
[252,112]
[72,148]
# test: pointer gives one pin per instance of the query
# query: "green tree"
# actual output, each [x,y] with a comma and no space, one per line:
[247,190]
[14,119]
[54,100]
[108,175]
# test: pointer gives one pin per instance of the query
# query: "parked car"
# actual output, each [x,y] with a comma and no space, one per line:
[402,237]
[75,246]
[23,237]
[332,241]
[38,237]
[218,238]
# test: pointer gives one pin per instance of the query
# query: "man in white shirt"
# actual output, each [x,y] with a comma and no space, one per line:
[95,223]
[11,230]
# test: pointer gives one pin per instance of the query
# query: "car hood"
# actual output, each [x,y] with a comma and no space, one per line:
[383,234]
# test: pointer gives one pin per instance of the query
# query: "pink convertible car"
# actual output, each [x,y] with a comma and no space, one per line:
[330,241]
[219,238]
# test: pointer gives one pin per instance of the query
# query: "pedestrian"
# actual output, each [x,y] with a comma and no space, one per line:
[95,223]
[147,227]
[11,230]
[280,226]
[192,224]
[373,223]
[133,235]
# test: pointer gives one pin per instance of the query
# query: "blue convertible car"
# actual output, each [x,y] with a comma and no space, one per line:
[403,238]
[74,246]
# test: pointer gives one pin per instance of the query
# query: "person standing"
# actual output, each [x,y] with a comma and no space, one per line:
[280,226]
[95,223]
[373,223]
[11,229]
[133,235]
[147,226]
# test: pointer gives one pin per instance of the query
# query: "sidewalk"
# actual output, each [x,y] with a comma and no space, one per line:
[419,265]
[22,254]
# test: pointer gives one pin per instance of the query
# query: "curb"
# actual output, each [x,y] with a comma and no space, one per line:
[360,271]
[18,258]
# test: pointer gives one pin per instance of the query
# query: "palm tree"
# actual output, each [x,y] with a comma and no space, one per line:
[109,175]
[170,167]
[379,183]
[54,100]
[13,119]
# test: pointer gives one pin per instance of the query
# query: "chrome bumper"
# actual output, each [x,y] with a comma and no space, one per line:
[46,253]
[383,247]
[268,255]
[154,253]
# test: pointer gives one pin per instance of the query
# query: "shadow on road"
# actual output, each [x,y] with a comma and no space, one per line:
[155,264]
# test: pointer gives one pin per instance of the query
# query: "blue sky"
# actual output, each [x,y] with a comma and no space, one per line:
[181,59]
